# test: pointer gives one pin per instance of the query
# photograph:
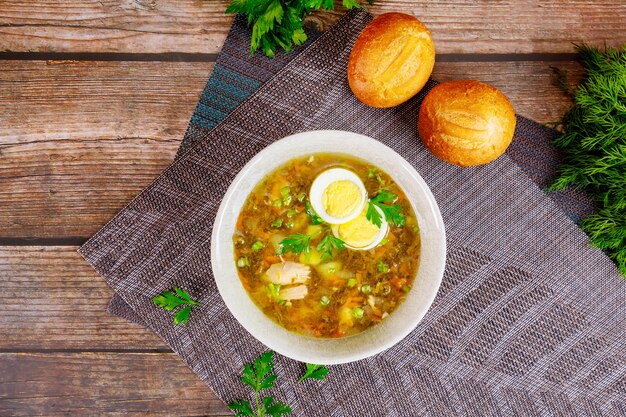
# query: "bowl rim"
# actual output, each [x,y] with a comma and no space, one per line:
[230,289]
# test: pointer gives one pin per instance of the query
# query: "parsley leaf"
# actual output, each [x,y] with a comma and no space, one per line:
[297,243]
[241,408]
[393,213]
[315,372]
[315,219]
[327,244]
[259,375]
[279,24]
[171,300]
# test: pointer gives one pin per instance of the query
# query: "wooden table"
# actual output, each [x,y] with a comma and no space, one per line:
[95,96]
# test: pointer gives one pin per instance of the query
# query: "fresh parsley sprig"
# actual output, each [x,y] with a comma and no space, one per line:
[301,243]
[296,243]
[393,212]
[171,300]
[327,244]
[310,211]
[259,375]
[314,372]
[279,24]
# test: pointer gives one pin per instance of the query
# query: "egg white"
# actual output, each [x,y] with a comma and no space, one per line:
[323,181]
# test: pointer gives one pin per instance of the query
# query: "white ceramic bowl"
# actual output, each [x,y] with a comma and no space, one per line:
[374,340]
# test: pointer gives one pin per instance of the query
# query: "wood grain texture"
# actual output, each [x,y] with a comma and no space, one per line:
[50,298]
[200,26]
[79,140]
[86,130]
[94,384]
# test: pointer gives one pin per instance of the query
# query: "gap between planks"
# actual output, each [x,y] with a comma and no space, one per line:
[200,57]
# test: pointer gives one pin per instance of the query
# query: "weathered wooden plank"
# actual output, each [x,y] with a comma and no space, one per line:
[200,26]
[79,140]
[112,384]
[51,298]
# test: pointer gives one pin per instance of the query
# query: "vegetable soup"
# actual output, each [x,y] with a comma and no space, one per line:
[327,245]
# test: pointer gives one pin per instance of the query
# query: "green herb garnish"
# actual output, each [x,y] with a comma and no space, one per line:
[393,213]
[366,288]
[594,147]
[260,375]
[382,267]
[324,301]
[278,24]
[314,372]
[243,262]
[315,219]
[327,244]
[258,245]
[297,243]
[171,300]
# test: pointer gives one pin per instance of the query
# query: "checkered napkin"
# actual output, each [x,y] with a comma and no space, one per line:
[529,320]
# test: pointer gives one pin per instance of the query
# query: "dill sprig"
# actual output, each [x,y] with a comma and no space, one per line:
[594,148]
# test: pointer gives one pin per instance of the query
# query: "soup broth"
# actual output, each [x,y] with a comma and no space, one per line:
[331,290]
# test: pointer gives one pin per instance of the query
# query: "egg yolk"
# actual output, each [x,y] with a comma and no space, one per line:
[358,232]
[341,198]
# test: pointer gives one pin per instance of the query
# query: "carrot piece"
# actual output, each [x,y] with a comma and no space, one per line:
[398,282]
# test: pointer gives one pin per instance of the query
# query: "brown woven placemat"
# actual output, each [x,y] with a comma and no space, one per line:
[530,320]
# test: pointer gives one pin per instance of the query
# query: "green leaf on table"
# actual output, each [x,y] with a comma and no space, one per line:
[279,24]
[170,301]
[593,145]
[241,408]
[259,375]
[314,372]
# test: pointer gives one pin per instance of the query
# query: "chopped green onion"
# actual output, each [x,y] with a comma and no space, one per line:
[281,302]
[357,312]
[291,213]
[332,269]
[416,228]
[351,282]
[278,203]
[277,223]
[371,172]
[301,197]
[382,267]
[274,291]
[324,301]
[243,262]
[290,224]
[285,191]
[257,246]
[287,200]
[384,241]
[366,288]
[406,288]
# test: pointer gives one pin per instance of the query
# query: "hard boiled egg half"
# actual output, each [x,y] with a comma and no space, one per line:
[338,196]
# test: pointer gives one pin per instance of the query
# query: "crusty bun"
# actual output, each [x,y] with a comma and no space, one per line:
[391,60]
[466,122]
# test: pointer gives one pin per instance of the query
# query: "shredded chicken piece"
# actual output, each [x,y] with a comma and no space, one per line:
[294,293]
[286,273]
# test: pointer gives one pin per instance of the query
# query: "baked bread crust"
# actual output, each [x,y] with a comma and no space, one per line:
[391,60]
[466,122]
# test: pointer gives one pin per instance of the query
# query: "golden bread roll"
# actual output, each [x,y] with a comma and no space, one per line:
[391,60]
[466,122]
